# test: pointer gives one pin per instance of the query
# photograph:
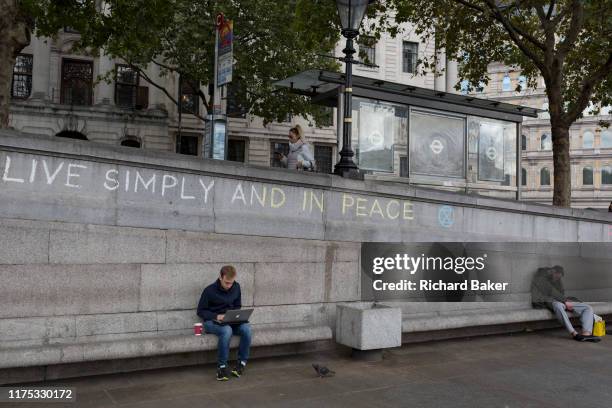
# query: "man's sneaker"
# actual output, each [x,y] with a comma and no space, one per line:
[239,370]
[222,374]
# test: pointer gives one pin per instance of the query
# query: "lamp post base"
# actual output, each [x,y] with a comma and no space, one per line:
[352,173]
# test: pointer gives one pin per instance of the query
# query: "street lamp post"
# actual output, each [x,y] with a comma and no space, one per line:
[351,14]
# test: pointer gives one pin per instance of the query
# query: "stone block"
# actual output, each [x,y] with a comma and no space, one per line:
[90,325]
[345,283]
[48,290]
[179,286]
[176,319]
[289,283]
[36,328]
[368,326]
[87,244]
[193,247]
[23,242]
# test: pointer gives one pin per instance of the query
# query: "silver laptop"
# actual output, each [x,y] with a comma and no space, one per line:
[236,316]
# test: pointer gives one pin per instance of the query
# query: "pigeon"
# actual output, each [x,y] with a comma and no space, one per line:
[323,371]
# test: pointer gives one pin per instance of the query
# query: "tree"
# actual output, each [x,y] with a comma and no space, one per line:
[566,42]
[272,40]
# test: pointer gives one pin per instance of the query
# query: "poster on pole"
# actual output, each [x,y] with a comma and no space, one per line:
[225,50]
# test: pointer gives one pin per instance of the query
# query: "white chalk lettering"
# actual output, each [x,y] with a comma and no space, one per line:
[51,177]
[114,180]
[33,171]
[70,174]
[127,181]
[165,185]
[206,189]
[183,196]
[146,185]
[260,198]
[7,167]
[239,197]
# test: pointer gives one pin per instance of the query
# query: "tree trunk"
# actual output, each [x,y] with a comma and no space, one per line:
[562,193]
[14,37]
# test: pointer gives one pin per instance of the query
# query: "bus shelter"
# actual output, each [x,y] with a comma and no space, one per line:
[425,137]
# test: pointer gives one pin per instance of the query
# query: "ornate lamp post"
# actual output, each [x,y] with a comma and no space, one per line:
[351,14]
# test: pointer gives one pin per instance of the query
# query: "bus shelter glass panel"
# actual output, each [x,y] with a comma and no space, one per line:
[492,151]
[437,145]
[379,135]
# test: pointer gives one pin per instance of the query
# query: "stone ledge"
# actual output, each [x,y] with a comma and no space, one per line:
[154,345]
[484,318]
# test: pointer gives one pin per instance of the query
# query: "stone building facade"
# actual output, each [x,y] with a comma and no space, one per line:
[590,144]
[57,92]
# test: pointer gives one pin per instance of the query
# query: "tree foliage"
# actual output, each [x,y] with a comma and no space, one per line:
[566,42]
[272,40]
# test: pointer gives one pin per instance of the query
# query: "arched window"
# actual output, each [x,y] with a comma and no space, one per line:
[523,177]
[506,83]
[522,81]
[606,139]
[71,134]
[606,175]
[544,176]
[587,140]
[587,176]
[465,85]
[545,142]
[131,142]
[523,142]
[544,115]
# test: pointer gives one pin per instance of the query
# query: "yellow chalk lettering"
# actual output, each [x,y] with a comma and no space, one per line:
[273,202]
[376,209]
[408,214]
[345,200]
[361,207]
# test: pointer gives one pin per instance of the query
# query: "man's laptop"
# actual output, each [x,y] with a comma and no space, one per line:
[236,316]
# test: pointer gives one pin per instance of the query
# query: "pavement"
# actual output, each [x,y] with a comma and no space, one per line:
[538,369]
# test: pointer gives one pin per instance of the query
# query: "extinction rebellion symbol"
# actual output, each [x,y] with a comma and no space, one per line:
[436,146]
[446,216]
[491,153]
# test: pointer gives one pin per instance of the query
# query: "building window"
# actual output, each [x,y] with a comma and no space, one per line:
[522,82]
[606,139]
[131,142]
[126,86]
[236,101]
[588,139]
[277,150]
[236,150]
[77,82]
[587,176]
[545,176]
[410,52]
[71,134]
[523,177]
[323,158]
[22,77]
[606,175]
[367,49]
[465,87]
[544,114]
[506,83]
[190,102]
[187,144]
[523,142]
[545,142]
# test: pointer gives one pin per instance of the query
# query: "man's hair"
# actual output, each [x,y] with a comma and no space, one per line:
[559,269]
[228,271]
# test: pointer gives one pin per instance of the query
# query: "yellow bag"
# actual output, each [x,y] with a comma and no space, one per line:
[599,328]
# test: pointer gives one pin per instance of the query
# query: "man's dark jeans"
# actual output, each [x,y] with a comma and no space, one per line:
[224,332]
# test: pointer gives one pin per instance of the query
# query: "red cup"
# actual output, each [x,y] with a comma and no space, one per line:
[197,329]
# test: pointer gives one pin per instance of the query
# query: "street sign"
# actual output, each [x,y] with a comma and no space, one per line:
[225,54]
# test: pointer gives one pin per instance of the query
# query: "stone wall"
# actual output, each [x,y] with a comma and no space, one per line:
[99,243]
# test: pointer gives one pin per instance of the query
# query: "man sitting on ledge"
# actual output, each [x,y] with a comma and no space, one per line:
[547,291]
[223,295]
